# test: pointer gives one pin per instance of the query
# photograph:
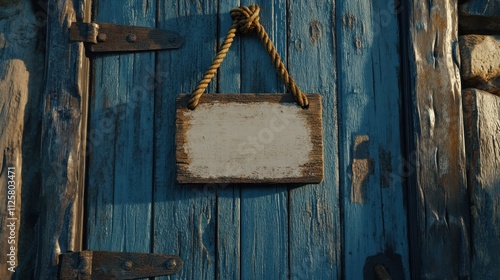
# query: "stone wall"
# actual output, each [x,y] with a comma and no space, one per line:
[479,43]
[479,27]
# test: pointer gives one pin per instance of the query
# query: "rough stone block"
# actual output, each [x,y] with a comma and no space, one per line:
[485,8]
[479,17]
[480,62]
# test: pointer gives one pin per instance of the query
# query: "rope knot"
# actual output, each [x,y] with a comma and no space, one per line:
[246,18]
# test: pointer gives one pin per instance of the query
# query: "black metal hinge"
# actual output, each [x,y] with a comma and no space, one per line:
[108,37]
[87,265]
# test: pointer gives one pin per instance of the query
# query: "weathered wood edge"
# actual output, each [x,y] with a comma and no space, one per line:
[314,211]
[191,231]
[316,174]
[20,81]
[437,192]
[63,138]
[483,170]
[13,103]
[84,81]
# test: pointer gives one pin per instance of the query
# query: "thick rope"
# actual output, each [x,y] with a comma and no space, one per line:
[245,20]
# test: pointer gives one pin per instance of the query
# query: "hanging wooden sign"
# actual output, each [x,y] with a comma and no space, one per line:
[249,138]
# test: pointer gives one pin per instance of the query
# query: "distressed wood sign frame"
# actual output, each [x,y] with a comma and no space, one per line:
[211,140]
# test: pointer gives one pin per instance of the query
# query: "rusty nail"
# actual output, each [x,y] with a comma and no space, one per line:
[128,265]
[131,38]
[171,264]
[102,37]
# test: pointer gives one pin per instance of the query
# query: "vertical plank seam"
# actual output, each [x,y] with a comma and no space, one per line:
[87,15]
[405,113]
[153,158]
[337,217]
[289,193]
[217,90]
[341,156]
[406,131]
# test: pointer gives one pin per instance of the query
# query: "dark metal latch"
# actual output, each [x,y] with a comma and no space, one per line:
[87,265]
[384,266]
[108,37]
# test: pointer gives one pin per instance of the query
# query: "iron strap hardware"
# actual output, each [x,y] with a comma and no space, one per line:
[87,265]
[108,37]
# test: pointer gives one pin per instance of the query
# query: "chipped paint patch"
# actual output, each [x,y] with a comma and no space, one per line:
[362,168]
[315,31]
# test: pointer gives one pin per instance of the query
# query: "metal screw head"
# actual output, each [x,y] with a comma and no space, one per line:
[128,265]
[131,38]
[101,37]
[171,264]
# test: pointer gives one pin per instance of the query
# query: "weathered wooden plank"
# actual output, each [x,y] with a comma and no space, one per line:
[14,87]
[120,174]
[482,130]
[228,195]
[314,213]
[250,138]
[21,51]
[264,252]
[184,217]
[372,191]
[437,190]
[21,74]
[62,150]
[480,62]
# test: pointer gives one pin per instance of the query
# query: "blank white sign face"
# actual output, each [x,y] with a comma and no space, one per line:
[249,138]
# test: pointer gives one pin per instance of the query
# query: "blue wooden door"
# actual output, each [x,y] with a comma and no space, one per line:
[347,51]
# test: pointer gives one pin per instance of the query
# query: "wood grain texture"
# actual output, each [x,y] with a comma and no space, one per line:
[482,130]
[184,217]
[121,134]
[229,258]
[14,87]
[62,150]
[438,202]
[21,76]
[314,210]
[276,232]
[249,138]
[264,252]
[372,189]
[22,57]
